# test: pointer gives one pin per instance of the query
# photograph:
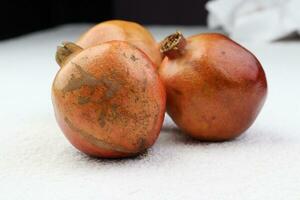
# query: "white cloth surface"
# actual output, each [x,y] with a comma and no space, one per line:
[255,20]
[37,162]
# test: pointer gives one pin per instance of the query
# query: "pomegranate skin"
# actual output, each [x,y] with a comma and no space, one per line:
[215,88]
[130,32]
[109,101]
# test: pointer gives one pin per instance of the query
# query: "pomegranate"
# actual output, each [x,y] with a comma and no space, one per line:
[215,87]
[108,99]
[130,32]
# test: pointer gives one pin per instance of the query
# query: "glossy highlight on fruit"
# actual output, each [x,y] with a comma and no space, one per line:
[121,30]
[215,87]
[108,99]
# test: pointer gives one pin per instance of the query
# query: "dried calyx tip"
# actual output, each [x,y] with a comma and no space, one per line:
[173,45]
[170,42]
[64,51]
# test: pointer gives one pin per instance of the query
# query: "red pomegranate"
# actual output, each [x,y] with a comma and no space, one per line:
[215,87]
[130,32]
[108,99]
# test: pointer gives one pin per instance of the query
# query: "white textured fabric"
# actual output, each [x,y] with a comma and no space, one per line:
[37,162]
[255,20]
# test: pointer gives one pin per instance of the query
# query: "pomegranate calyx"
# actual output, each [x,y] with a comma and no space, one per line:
[64,51]
[173,45]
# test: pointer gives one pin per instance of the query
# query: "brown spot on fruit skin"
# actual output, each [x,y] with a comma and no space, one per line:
[95,141]
[142,144]
[133,58]
[83,100]
[112,86]
[88,80]
[101,119]
[85,79]
[114,100]
[124,54]
[114,108]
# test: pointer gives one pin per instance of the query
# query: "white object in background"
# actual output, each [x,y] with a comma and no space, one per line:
[255,20]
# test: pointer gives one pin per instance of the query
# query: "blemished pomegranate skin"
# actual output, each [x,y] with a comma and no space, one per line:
[215,87]
[108,99]
[122,30]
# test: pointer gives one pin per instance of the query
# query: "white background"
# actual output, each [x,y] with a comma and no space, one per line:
[37,162]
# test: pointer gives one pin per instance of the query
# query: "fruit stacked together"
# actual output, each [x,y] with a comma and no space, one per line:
[116,81]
